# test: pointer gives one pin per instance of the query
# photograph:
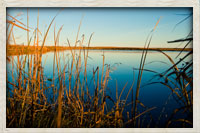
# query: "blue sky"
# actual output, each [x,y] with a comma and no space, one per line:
[127,27]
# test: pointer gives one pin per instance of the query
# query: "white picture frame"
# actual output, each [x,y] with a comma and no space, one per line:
[101,3]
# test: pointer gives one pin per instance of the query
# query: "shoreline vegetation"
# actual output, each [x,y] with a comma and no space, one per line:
[13,50]
[64,100]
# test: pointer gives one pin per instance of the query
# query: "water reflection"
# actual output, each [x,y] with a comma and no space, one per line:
[124,71]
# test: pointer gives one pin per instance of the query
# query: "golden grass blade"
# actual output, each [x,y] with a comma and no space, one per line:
[8,21]
[157,23]
[140,114]
[170,59]
[78,31]
[18,21]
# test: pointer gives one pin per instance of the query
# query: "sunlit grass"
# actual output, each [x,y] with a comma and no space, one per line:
[72,104]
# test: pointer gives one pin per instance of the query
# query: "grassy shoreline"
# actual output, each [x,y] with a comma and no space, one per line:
[21,49]
[35,100]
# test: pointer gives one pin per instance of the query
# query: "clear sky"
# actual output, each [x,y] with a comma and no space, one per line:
[127,27]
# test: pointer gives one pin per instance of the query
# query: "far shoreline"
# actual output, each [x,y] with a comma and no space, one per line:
[22,49]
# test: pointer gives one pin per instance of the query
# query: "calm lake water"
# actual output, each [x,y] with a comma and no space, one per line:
[124,66]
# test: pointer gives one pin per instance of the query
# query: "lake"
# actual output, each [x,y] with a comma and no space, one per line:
[123,72]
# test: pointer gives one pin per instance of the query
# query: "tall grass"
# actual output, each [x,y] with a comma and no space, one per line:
[29,107]
[67,101]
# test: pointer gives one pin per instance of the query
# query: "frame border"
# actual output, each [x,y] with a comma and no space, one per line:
[102,3]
